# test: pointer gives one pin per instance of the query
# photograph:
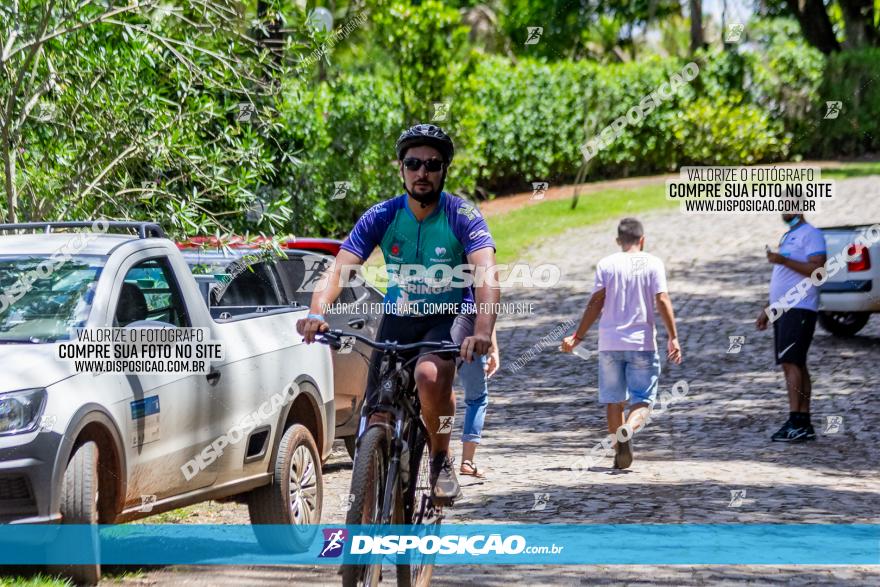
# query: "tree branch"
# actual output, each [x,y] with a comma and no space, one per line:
[16,127]
[167,41]
[128,152]
[43,38]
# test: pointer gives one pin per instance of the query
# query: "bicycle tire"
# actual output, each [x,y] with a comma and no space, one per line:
[416,506]
[368,490]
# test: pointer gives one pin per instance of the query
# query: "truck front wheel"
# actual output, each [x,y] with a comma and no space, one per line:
[843,323]
[79,505]
[293,499]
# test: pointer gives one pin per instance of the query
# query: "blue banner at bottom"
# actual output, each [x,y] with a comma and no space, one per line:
[532,544]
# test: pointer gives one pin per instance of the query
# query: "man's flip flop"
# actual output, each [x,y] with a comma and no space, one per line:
[473,470]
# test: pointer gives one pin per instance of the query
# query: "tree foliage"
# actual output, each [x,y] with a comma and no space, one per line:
[139,110]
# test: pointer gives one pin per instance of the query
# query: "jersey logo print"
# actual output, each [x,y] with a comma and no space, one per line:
[468,211]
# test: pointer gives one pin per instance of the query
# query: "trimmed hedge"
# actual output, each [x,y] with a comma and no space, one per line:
[338,133]
[851,77]
[518,122]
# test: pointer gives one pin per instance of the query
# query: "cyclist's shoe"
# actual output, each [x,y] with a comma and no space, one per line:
[623,456]
[444,484]
[792,433]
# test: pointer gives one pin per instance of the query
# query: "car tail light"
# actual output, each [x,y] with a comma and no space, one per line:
[859,259]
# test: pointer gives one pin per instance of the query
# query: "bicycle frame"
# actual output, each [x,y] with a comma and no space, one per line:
[397,396]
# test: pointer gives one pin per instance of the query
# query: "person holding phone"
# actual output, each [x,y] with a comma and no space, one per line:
[801,251]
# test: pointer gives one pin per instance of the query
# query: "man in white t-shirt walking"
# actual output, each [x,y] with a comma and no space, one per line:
[801,251]
[629,286]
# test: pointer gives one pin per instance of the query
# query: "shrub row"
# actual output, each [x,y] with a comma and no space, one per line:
[515,123]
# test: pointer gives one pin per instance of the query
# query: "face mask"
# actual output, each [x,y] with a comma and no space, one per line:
[793,221]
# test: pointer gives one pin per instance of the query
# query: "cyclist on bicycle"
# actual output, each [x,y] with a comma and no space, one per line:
[424,227]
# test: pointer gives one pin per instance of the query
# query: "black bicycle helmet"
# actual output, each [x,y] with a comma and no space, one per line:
[426,134]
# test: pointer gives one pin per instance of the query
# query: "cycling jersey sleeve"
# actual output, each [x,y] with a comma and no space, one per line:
[369,230]
[469,226]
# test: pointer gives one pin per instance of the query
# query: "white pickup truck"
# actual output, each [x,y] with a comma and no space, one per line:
[849,296]
[86,448]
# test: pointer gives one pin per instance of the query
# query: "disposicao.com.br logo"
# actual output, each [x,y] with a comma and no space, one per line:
[421,543]
[449,544]
[334,542]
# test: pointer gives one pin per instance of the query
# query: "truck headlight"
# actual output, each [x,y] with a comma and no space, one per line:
[19,410]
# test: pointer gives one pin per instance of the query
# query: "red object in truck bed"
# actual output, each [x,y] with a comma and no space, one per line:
[323,245]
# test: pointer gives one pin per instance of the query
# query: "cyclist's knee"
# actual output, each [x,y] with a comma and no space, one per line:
[434,374]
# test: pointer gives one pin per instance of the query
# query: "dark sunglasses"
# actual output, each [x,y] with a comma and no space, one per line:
[414,164]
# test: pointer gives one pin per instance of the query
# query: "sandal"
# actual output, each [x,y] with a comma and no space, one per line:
[472,471]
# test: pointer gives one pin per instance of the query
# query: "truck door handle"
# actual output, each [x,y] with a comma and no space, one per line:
[357,323]
[213,377]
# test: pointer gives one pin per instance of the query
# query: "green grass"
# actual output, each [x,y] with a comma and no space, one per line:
[517,230]
[120,574]
[39,580]
[172,517]
[112,574]
[854,169]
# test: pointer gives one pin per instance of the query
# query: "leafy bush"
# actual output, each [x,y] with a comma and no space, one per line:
[851,78]
[784,76]
[343,132]
[515,123]
[427,43]
[728,132]
[537,116]
[136,116]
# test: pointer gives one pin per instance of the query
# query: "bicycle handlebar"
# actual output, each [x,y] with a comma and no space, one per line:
[332,337]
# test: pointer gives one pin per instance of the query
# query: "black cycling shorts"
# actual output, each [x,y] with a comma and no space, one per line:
[406,330]
[792,335]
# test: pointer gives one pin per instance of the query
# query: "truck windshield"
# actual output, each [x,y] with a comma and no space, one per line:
[43,299]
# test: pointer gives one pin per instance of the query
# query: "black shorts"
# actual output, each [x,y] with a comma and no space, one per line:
[792,335]
[407,330]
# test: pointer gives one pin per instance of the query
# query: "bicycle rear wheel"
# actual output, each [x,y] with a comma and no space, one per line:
[368,488]
[418,509]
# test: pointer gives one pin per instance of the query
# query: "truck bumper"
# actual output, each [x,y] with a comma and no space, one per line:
[849,296]
[26,471]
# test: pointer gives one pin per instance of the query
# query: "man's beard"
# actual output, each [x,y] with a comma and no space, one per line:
[426,198]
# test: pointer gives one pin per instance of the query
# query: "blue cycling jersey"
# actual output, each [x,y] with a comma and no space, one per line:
[426,261]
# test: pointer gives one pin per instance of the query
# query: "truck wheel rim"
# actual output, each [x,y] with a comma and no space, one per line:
[303,486]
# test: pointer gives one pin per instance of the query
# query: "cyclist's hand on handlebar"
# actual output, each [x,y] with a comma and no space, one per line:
[309,327]
[478,344]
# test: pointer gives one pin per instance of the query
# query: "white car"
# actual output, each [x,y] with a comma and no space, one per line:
[85,448]
[286,279]
[849,296]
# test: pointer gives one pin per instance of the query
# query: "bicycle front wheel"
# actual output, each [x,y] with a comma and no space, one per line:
[367,491]
[418,509]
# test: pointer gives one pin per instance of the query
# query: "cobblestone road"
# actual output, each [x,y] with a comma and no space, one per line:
[687,461]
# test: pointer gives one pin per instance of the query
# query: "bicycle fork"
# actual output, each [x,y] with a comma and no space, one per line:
[393,472]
